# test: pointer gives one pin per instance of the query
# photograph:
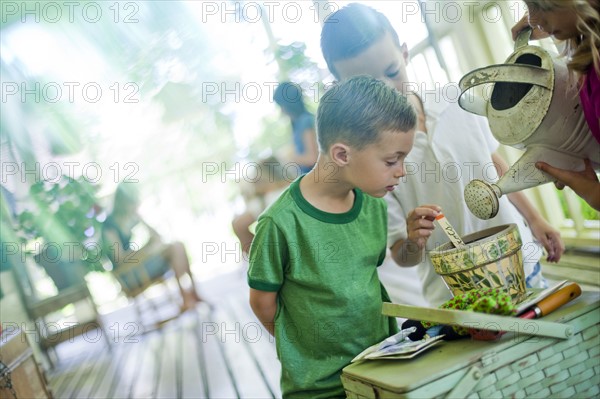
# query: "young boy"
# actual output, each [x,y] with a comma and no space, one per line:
[451,148]
[313,261]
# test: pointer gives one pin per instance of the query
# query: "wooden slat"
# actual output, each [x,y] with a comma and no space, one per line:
[221,383]
[144,386]
[72,384]
[65,297]
[83,379]
[105,386]
[260,345]
[60,376]
[128,368]
[169,376]
[193,365]
[582,267]
[202,354]
[91,380]
[68,333]
[249,378]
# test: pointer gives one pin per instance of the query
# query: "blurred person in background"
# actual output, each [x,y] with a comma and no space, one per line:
[260,193]
[289,97]
[129,239]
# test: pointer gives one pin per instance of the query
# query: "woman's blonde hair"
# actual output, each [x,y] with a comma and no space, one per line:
[582,51]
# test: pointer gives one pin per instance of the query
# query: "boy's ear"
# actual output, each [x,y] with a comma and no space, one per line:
[404,51]
[339,153]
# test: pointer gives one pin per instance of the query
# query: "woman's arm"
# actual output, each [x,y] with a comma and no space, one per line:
[264,306]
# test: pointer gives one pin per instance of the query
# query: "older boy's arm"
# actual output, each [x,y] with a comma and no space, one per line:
[406,253]
[264,306]
[419,226]
[541,229]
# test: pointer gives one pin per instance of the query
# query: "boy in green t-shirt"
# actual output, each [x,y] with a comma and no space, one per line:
[313,261]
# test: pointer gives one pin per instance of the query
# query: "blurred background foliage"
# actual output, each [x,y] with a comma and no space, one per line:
[164,119]
[178,113]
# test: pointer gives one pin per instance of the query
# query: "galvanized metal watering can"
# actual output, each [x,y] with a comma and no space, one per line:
[533,106]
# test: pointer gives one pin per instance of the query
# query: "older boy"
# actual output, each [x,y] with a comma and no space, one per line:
[313,261]
[360,40]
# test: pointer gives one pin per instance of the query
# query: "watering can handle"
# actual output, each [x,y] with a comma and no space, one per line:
[510,73]
[523,38]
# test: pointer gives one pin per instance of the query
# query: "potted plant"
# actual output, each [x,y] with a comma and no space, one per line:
[60,228]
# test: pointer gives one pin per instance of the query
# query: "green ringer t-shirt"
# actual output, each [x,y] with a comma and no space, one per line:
[323,267]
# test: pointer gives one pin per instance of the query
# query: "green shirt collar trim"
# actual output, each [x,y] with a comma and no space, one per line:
[334,218]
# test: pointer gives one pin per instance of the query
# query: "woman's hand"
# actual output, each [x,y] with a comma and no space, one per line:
[536,34]
[584,183]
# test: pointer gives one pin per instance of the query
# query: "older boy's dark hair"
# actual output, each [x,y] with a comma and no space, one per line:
[289,97]
[356,111]
[350,30]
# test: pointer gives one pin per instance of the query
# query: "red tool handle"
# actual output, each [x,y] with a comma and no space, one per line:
[552,301]
[542,308]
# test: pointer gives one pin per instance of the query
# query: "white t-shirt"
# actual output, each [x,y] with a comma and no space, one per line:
[456,150]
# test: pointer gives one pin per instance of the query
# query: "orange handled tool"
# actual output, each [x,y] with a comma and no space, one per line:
[542,308]
[553,301]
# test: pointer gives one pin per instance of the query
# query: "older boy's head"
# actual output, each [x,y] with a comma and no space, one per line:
[356,111]
[351,30]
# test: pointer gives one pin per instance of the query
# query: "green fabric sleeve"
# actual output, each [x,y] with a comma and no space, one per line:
[268,257]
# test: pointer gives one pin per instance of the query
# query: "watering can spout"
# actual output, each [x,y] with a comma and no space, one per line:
[533,106]
[483,198]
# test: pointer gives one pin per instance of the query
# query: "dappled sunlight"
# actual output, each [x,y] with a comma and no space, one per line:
[171,98]
[106,292]
[135,105]
[136,139]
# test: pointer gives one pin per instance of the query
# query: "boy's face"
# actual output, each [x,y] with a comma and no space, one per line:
[377,168]
[383,60]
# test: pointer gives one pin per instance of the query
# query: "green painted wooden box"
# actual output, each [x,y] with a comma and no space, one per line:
[517,365]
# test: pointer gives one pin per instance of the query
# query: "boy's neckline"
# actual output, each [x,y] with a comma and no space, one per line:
[324,216]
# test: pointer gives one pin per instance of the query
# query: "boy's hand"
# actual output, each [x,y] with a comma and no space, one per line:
[419,224]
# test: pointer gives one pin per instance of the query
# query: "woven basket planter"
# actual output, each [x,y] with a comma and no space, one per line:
[492,258]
